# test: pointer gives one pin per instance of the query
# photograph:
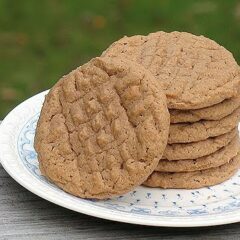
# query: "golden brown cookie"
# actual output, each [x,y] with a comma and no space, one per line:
[215,112]
[102,128]
[218,158]
[180,151]
[198,131]
[197,179]
[194,71]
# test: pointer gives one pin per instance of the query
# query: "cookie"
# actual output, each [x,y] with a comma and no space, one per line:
[198,131]
[218,158]
[194,71]
[180,151]
[197,179]
[215,112]
[102,128]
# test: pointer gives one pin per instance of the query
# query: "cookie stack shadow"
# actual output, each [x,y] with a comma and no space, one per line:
[203,147]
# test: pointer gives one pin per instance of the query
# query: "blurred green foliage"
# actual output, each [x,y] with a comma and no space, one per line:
[42,40]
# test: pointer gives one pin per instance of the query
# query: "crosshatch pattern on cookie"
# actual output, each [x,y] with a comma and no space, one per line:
[107,127]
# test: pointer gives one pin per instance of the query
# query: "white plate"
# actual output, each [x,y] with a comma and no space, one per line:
[176,208]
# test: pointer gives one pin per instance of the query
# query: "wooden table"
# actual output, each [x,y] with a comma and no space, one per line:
[24,216]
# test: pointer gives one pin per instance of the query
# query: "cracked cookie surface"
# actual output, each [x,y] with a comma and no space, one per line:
[218,158]
[195,72]
[102,128]
[197,179]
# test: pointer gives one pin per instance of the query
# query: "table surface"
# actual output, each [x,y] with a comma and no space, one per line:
[25,216]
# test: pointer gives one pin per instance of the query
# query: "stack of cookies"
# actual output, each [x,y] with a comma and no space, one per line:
[201,82]
[105,128]
[200,162]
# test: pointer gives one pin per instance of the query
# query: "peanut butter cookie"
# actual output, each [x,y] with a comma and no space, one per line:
[180,151]
[102,128]
[215,112]
[198,131]
[218,158]
[195,72]
[197,179]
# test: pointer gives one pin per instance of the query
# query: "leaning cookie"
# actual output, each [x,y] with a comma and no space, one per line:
[102,129]
[197,179]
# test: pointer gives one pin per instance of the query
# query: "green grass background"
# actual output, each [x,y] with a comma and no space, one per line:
[42,40]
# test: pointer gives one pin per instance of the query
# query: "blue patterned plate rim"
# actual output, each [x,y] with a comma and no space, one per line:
[203,207]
